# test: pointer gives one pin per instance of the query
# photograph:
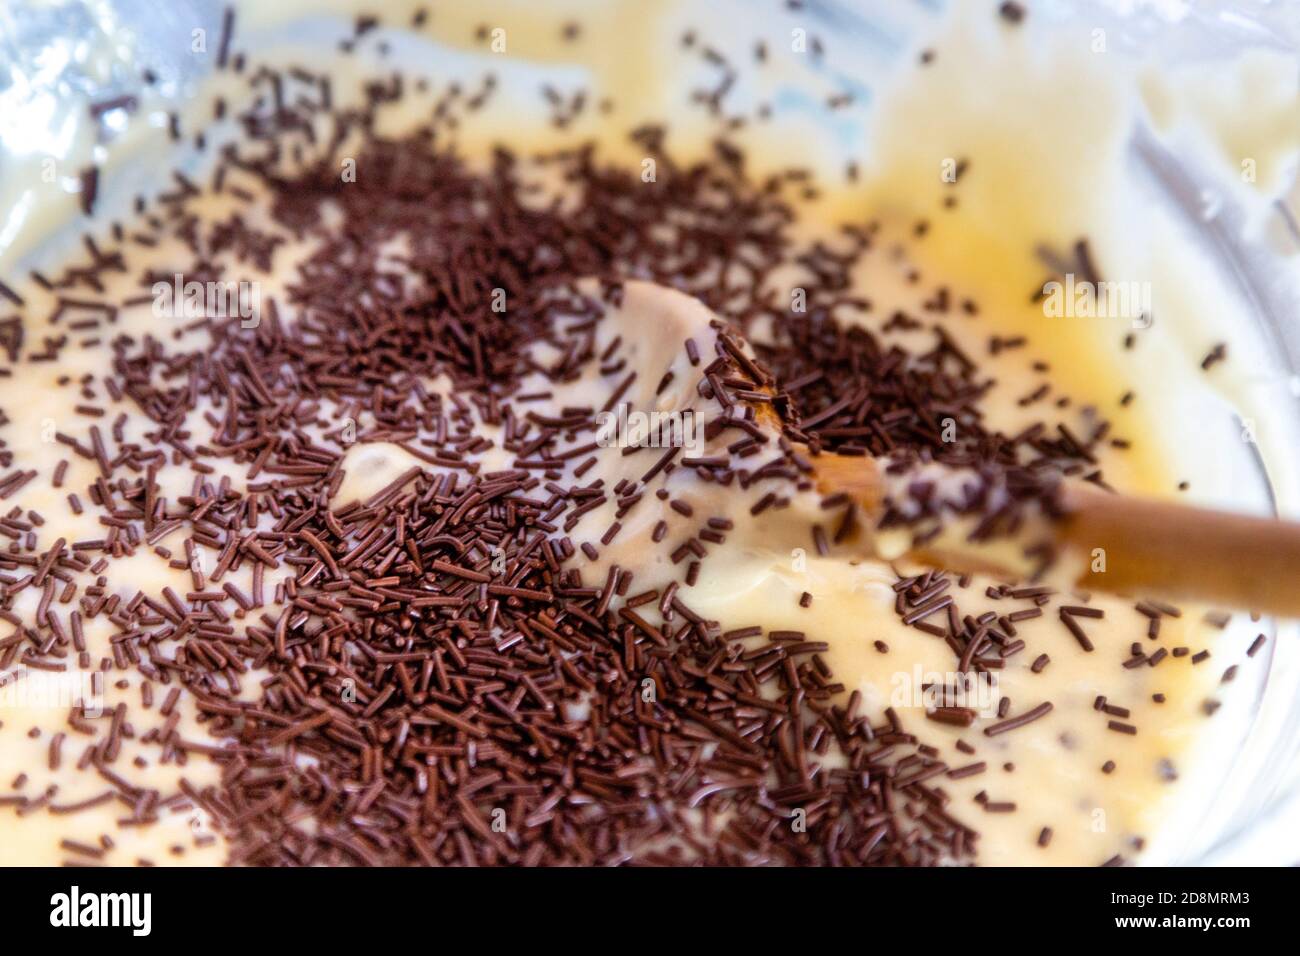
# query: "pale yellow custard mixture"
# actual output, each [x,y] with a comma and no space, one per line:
[995,162]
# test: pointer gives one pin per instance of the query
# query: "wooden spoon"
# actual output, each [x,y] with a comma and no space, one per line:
[1131,545]
[1146,547]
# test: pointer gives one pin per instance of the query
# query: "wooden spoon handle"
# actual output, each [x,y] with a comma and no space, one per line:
[1133,546]
[1173,550]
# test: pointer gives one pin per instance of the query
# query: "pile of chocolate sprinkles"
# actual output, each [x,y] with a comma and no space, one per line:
[422,670]
[423,662]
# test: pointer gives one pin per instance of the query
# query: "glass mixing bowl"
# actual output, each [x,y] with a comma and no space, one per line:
[55,57]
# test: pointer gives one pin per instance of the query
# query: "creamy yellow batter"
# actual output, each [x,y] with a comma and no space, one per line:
[1048,170]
